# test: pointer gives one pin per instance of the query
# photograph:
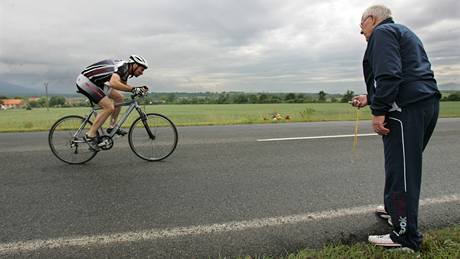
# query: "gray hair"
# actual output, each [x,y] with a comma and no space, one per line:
[379,12]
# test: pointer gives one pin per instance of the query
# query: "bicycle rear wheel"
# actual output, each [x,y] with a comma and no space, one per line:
[67,143]
[156,146]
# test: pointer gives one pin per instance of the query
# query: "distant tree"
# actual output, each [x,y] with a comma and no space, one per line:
[308,99]
[184,101]
[274,99]
[300,98]
[207,100]
[194,100]
[1,101]
[57,100]
[171,98]
[252,98]
[223,98]
[334,100]
[453,97]
[263,98]
[3,97]
[347,96]
[289,97]
[34,104]
[42,101]
[322,96]
[240,98]
[18,97]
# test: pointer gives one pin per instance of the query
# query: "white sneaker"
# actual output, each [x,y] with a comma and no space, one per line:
[383,240]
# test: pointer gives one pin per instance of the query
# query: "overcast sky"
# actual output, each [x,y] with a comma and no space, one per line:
[214,45]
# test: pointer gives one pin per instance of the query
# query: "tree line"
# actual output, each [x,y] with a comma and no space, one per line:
[207,98]
[216,98]
[245,98]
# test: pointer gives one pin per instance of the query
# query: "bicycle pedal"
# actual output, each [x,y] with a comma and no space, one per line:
[120,132]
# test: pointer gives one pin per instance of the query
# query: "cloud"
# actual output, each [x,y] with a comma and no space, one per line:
[205,45]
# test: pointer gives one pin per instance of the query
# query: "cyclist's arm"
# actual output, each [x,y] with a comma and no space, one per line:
[116,83]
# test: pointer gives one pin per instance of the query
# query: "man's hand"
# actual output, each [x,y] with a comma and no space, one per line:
[140,90]
[359,101]
[378,123]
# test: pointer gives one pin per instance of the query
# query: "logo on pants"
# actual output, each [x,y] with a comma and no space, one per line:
[402,225]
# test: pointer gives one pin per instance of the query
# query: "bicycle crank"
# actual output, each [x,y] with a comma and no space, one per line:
[105,143]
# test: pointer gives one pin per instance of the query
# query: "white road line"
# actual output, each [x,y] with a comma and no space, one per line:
[156,234]
[317,137]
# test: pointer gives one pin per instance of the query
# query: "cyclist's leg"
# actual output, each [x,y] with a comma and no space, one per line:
[107,109]
[118,98]
[96,95]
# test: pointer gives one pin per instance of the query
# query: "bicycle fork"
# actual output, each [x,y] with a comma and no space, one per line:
[144,122]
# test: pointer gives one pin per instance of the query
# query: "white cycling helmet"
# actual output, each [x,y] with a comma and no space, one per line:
[138,60]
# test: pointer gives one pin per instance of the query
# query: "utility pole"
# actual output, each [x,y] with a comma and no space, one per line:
[47,101]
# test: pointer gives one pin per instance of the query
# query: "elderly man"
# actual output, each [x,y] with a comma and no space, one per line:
[404,100]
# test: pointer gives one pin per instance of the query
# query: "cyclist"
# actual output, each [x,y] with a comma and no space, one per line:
[102,82]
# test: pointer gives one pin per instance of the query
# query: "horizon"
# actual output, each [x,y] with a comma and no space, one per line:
[75,94]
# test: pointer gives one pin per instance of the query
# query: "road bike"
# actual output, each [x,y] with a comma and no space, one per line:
[152,136]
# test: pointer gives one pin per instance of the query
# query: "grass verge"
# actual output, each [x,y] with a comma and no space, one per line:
[223,114]
[441,243]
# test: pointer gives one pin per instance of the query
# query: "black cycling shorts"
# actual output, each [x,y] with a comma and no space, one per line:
[94,92]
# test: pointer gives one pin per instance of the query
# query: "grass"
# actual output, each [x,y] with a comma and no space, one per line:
[187,115]
[223,114]
[442,243]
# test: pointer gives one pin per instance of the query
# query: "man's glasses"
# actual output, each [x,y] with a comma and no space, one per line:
[364,20]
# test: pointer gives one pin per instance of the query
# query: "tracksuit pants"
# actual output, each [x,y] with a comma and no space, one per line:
[410,131]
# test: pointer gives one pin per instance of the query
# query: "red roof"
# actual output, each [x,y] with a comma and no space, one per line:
[13,102]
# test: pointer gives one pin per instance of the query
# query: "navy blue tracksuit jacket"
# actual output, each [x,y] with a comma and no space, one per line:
[401,86]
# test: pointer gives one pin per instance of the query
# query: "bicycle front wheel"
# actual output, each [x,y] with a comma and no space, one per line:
[67,140]
[153,137]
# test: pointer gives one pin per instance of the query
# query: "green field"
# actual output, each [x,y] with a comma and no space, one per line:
[208,114]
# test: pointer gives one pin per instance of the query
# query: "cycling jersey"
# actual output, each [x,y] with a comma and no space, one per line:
[102,71]
[92,80]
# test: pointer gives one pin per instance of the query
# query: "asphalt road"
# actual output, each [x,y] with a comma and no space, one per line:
[222,193]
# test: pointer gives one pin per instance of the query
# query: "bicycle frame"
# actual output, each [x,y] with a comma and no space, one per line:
[132,104]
